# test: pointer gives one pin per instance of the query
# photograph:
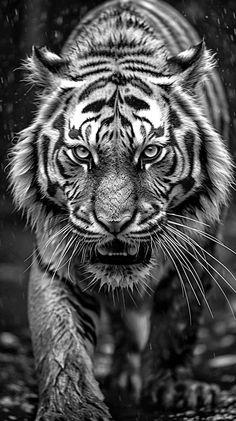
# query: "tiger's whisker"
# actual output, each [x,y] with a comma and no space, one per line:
[210,274]
[194,274]
[197,246]
[168,252]
[188,218]
[180,260]
[204,234]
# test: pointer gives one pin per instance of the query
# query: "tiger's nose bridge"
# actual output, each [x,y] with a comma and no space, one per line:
[114,204]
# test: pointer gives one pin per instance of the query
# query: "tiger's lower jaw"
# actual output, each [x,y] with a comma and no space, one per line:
[120,265]
[110,277]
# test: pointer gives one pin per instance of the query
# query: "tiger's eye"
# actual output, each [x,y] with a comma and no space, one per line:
[82,152]
[151,151]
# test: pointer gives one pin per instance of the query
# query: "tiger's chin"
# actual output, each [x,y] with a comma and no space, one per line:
[110,277]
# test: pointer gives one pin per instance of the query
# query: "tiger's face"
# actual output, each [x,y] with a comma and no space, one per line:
[121,168]
[115,155]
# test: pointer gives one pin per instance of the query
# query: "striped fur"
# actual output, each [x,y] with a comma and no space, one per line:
[118,87]
[133,78]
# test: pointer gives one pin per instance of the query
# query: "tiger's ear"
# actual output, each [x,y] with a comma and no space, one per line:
[44,67]
[192,65]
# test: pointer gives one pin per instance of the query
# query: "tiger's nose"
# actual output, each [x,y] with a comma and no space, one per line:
[116,226]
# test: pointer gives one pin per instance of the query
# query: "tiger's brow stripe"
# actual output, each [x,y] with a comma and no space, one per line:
[157,132]
[138,83]
[143,119]
[136,103]
[94,107]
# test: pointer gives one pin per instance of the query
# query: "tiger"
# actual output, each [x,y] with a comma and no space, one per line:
[124,175]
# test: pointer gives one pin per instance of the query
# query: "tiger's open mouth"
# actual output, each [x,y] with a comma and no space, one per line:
[119,253]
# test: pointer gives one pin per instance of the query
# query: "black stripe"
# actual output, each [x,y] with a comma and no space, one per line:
[63,171]
[49,206]
[93,63]
[107,52]
[136,103]
[51,187]
[141,69]
[88,301]
[189,142]
[138,83]
[52,108]
[100,83]
[86,321]
[83,231]
[142,119]
[137,62]
[174,118]
[94,106]
[59,124]
[96,71]
[173,166]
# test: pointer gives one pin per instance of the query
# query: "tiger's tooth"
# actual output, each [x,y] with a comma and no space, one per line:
[102,251]
[133,250]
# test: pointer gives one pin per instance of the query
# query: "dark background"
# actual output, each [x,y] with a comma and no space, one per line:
[49,22]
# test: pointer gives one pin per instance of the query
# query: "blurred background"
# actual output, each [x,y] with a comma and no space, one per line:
[25,23]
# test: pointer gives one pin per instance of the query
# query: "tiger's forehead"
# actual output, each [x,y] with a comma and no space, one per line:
[126,114]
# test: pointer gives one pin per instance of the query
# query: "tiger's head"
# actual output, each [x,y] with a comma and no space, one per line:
[115,153]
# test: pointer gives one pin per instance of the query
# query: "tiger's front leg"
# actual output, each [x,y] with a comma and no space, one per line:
[168,377]
[62,337]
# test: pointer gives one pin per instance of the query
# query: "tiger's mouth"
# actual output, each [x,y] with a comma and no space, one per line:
[119,253]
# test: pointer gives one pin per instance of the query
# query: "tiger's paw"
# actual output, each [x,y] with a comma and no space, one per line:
[128,378]
[181,394]
[128,382]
